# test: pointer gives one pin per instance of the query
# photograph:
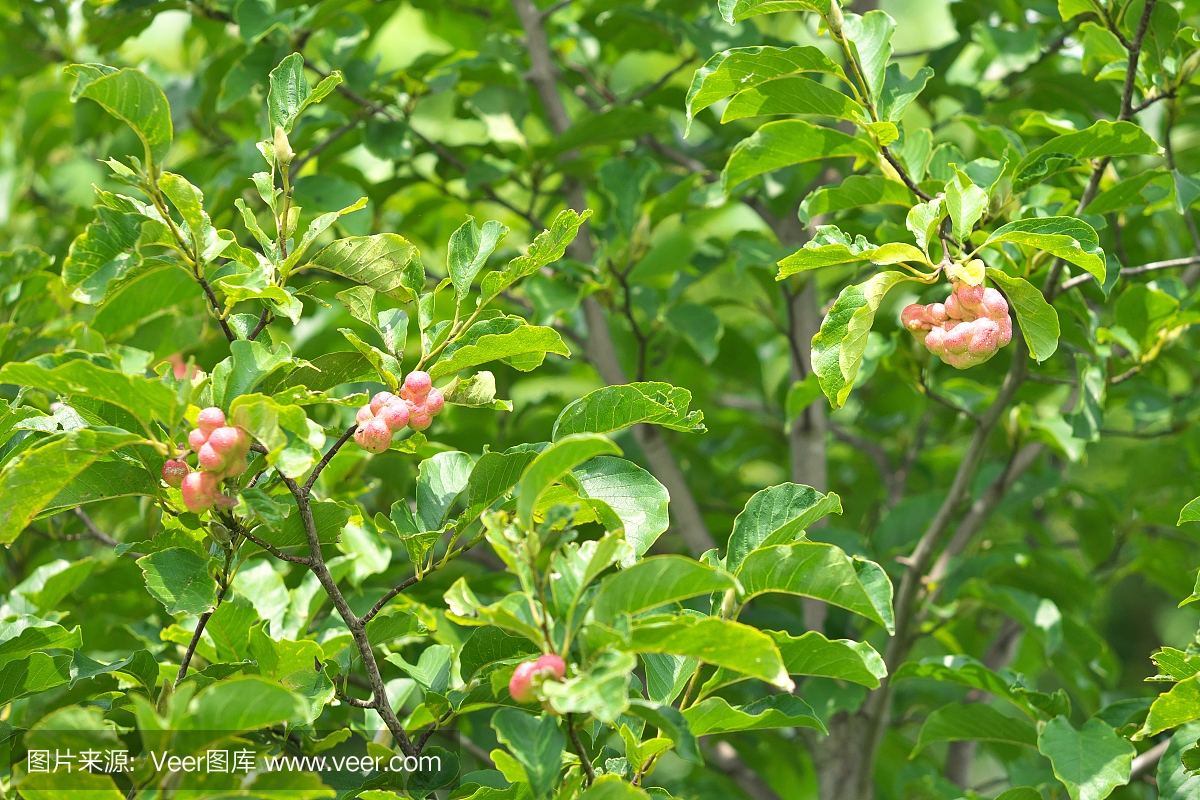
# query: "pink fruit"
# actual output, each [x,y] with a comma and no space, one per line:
[551,665]
[379,400]
[375,436]
[199,491]
[210,419]
[364,415]
[196,439]
[174,471]
[419,420]
[967,330]
[209,459]
[434,402]
[521,684]
[416,385]
[395,414]
[224,440]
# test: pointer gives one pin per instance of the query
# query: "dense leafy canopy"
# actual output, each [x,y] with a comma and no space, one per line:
[546,398]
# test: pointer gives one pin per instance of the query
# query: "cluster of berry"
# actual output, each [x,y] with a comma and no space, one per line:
[964,331]
[386,414]
[547,668]
[221,452]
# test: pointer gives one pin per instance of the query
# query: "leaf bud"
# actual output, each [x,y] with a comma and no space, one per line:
[283,148]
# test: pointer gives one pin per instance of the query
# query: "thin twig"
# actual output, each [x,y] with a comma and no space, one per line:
[324,462]
[99,535]
[218,312]
[580,751]
[904,176]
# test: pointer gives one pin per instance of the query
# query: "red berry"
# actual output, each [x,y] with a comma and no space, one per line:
[210,459]
[521,685]
[364,415]
[199,490]
[210,419]
[419,419]
[434,402]
[174,471]
[224,440]
[379,400]
[551,666]
[196,439]
[375,436]
[416,385]
[395,414]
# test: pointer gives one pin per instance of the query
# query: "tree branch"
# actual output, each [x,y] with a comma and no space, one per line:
[324,462]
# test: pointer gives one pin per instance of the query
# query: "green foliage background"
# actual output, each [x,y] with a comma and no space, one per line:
[1027,511]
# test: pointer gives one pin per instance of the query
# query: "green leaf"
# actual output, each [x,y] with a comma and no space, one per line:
[737,10]
[964,671]
[871,37]
[1174,708]
[292,441]
[178,578]
[633,493]
[838,347]
[493,475]
[1037,318]
[960,722]
[1190,512]
[34,674]
[1102,140]
[1070,239]
[536,742]
[727,644]
[490,645]
[670,722]
[440,480]
[23,636]
[608,787]
[715,715]
[854,192]
[290,93]
[816,570]
[135,99]
[432,670]
[322,373]
[965,203]
[614,408]
[522,341]
[554,462]
[546,248]
[63,785]
[811,653]
[32,479]
[899,91]
[779,513]
[831,247]
[1090,762]
[104,253]
[792,94]
[788,142]
[655,582]
[245,703]
[386,262]
[733,71]
[469,250]
[1175,780]
[1124,194]
[700,326]
[145,399]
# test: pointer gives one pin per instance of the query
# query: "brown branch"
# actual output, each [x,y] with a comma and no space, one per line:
[200,625]
[904,176]
[318,148]
[99,535]
[324,462]
[218,312]
[383,601]
[580,751]
[1147,762]
[263,319]
[358,628]
[661,82]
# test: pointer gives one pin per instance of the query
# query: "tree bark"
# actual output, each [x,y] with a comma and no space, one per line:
[600,349]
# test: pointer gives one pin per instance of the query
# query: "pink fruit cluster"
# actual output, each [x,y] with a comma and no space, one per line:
[964,331]
[547,668]
[386,414]
[221,452]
